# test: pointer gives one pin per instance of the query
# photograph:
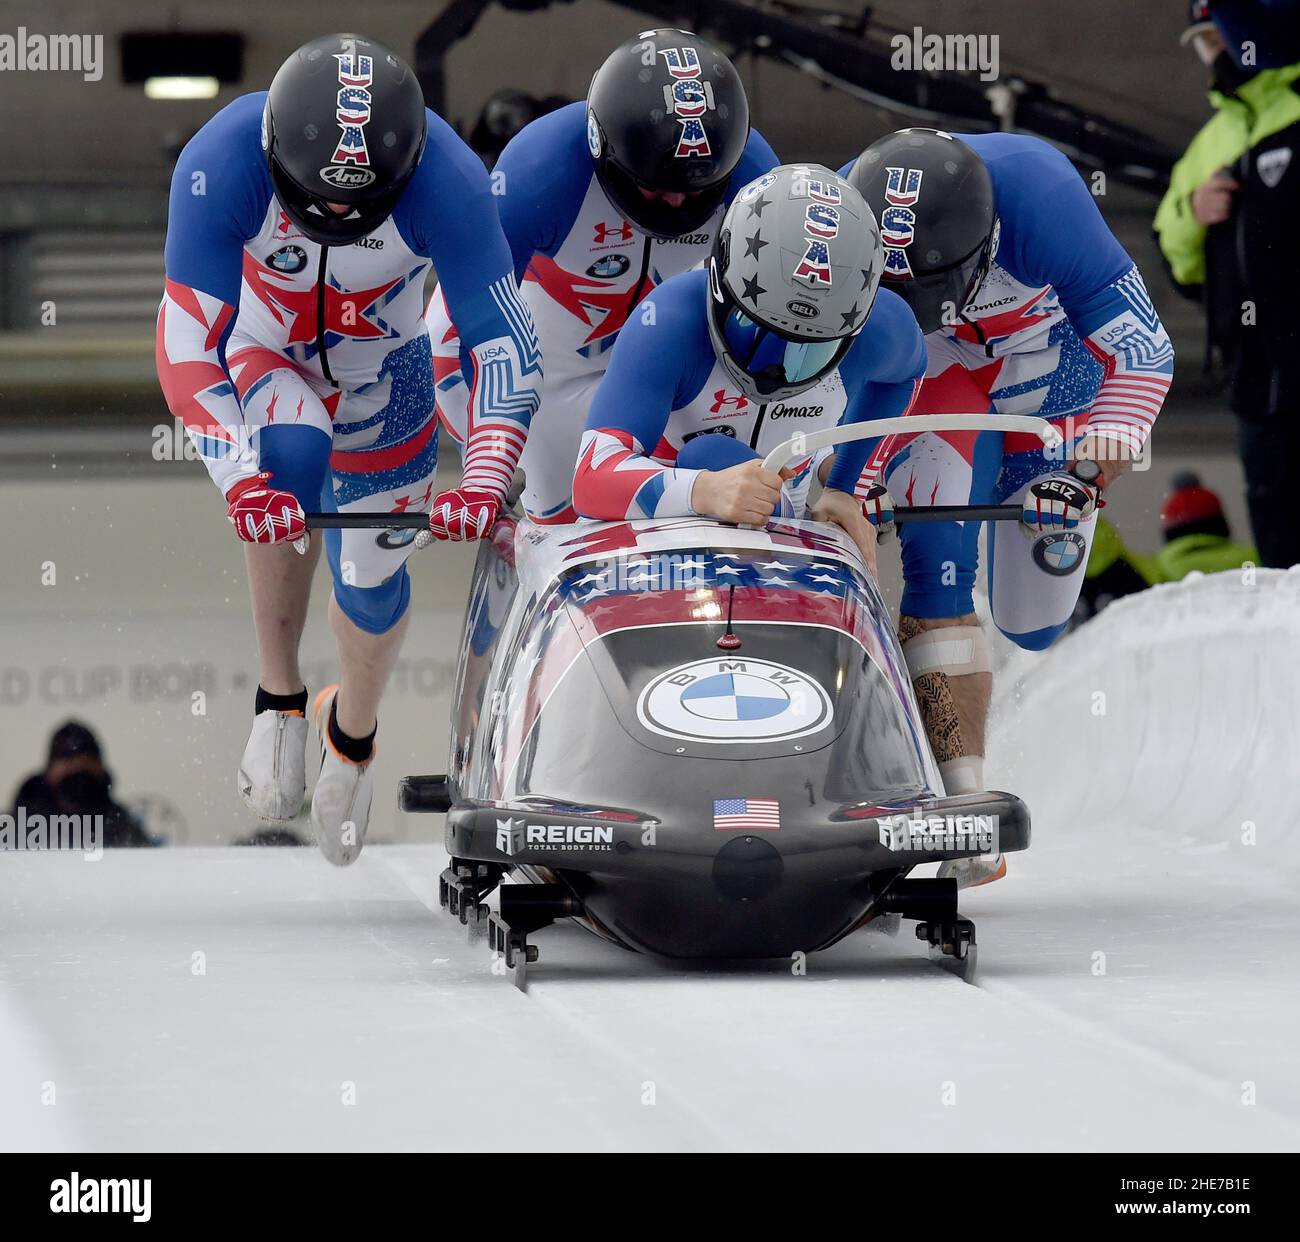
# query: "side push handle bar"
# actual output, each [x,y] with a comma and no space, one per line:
[801,446]
[419,521]
[806,443]
[368,521]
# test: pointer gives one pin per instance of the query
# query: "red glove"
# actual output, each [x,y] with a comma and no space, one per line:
[463,513]
[261,514]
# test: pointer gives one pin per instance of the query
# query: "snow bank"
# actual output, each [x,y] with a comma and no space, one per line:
[1174,709]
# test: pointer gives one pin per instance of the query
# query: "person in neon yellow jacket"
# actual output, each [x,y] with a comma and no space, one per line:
[1248,109]
[1197,540]
[1227,229]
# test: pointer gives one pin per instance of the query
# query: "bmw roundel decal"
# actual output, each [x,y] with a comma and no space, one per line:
[288,259]
[729,700]
[1060,553]
[390,539]
[609,267]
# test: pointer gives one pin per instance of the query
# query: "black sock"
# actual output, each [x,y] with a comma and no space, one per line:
[268,702]
[358,749]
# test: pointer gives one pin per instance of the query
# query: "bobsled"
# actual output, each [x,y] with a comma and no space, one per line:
[697,741]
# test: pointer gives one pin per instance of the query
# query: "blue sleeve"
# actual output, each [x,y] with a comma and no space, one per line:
[757,158]
[449,214]
[541,180]
[880,374]
[1052,232]
[659,363]
[219,194]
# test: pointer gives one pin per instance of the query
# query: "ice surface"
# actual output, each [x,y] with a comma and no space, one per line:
[318,987]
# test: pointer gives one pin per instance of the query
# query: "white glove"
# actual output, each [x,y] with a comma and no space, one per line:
[878,509]
[1058,501]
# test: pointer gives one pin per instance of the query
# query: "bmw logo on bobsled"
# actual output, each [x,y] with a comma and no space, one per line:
[697,741]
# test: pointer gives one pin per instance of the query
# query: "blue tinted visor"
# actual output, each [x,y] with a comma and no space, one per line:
[776,360]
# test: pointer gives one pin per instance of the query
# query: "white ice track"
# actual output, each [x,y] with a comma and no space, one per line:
[317,978]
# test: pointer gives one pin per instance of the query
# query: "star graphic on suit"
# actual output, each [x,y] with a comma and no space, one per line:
[347,312]
[753,245]
[753,289]
[756,207]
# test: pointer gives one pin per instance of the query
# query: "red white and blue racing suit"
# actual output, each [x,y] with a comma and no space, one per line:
[1063,328]
[313,363]
[583,269]
[665,409]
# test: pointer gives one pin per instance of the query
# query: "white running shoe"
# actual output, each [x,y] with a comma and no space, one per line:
[273,772]
[340,803]
[972,872]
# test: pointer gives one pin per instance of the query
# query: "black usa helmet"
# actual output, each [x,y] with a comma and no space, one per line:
[933,197]
[344,123]
[666,113]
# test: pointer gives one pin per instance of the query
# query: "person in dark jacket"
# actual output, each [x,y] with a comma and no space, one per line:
[1197,540]
[76,782]
[1227,228]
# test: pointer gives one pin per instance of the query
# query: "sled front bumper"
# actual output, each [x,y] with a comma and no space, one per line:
[850,840]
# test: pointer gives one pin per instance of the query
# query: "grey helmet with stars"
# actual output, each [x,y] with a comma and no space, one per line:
[792,277]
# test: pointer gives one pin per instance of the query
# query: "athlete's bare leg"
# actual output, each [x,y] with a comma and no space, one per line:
[954,706]
[279,585]
[365,663]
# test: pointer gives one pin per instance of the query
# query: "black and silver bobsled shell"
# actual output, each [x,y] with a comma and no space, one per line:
[697,801]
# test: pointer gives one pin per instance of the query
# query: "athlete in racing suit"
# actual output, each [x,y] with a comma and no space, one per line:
[291,343]
[1030,306]
[784,333]
[600,202]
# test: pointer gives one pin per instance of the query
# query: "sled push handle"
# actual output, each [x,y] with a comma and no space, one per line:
[368,521]
[802,445]
[799,446]
[807,443]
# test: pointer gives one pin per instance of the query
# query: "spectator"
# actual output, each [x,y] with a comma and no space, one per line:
[75,782]
[1227,227]
[1263,33]
[1196,533]
[1197,539]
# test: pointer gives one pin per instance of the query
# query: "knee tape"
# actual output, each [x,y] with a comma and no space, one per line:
[934,656]
[955,650]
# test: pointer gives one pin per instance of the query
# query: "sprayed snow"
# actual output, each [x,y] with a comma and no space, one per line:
[1174,710]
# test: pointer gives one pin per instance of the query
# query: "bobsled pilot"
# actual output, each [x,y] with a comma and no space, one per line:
[291,343]
[601,201]
[783,333]
[1029,306]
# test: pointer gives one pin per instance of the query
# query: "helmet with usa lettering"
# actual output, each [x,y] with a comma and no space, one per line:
[938,217]
[667,123]
[343,130]
[792,277]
